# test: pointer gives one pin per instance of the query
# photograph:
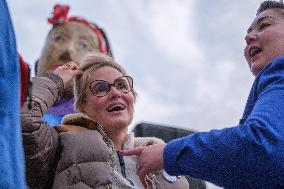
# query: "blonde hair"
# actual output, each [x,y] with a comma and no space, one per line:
[88,65]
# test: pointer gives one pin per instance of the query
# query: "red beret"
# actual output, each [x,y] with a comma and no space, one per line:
[25,77]
[59,16]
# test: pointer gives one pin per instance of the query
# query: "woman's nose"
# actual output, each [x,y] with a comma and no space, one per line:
[65,56]
[250,37]
[114,92]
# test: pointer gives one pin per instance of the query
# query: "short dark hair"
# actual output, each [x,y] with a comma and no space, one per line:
[270,4]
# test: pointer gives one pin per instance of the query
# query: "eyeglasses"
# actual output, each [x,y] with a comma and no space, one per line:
[101,88]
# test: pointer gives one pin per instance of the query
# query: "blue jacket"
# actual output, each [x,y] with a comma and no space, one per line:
[249,155]
[11,150]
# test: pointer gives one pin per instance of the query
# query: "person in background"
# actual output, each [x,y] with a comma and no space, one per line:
[69,39]
[11,156]
[83,151]
[250,154]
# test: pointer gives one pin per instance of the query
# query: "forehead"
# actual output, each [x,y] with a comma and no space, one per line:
[270,14]
[106,73]
[73,29]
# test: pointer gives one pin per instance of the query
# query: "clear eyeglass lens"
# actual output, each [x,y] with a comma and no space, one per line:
[102,88]
[122,85]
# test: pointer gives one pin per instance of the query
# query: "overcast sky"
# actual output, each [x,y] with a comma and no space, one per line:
[186,56]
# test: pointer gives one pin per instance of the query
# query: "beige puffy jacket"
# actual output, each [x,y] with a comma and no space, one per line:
[78,160]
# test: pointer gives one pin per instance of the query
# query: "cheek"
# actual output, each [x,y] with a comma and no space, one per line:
[279,45]
[78,53]
[131,105]
[272,40]
[131,110]
[49,52]
[274,46]
[246,54]
[92,107]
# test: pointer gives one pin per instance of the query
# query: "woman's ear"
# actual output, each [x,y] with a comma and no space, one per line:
[82,106]
[82,109]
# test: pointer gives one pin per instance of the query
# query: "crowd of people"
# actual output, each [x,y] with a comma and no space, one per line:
[90,146]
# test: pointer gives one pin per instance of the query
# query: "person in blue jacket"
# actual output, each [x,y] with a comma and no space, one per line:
[11,156]
[250,154]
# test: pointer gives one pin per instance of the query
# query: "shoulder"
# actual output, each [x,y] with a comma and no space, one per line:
[275,68]
[276,64]
[49,79]
[79,119]
[272,75]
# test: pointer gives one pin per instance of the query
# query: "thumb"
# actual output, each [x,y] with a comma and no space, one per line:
[77,72]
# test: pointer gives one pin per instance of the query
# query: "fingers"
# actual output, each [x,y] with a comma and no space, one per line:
[131,152]
[142,173]
[146,178]
[71,65]
[77,72]
[67,71]
[149,179]
[68,66]
[146,162]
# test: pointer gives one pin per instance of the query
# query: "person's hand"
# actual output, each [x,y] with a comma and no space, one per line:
[150,158]
[67,72]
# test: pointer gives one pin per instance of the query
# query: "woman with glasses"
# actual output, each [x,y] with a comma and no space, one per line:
[84,151]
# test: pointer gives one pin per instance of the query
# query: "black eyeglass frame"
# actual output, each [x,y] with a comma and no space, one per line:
[128,78]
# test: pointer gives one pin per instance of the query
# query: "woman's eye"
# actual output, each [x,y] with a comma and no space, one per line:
[99,88]
[262,26]
[84,45]
[121,84]
[58,38]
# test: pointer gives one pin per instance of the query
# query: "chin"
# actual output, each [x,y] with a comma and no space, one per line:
[254,71]
[257,70]
[121,123]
